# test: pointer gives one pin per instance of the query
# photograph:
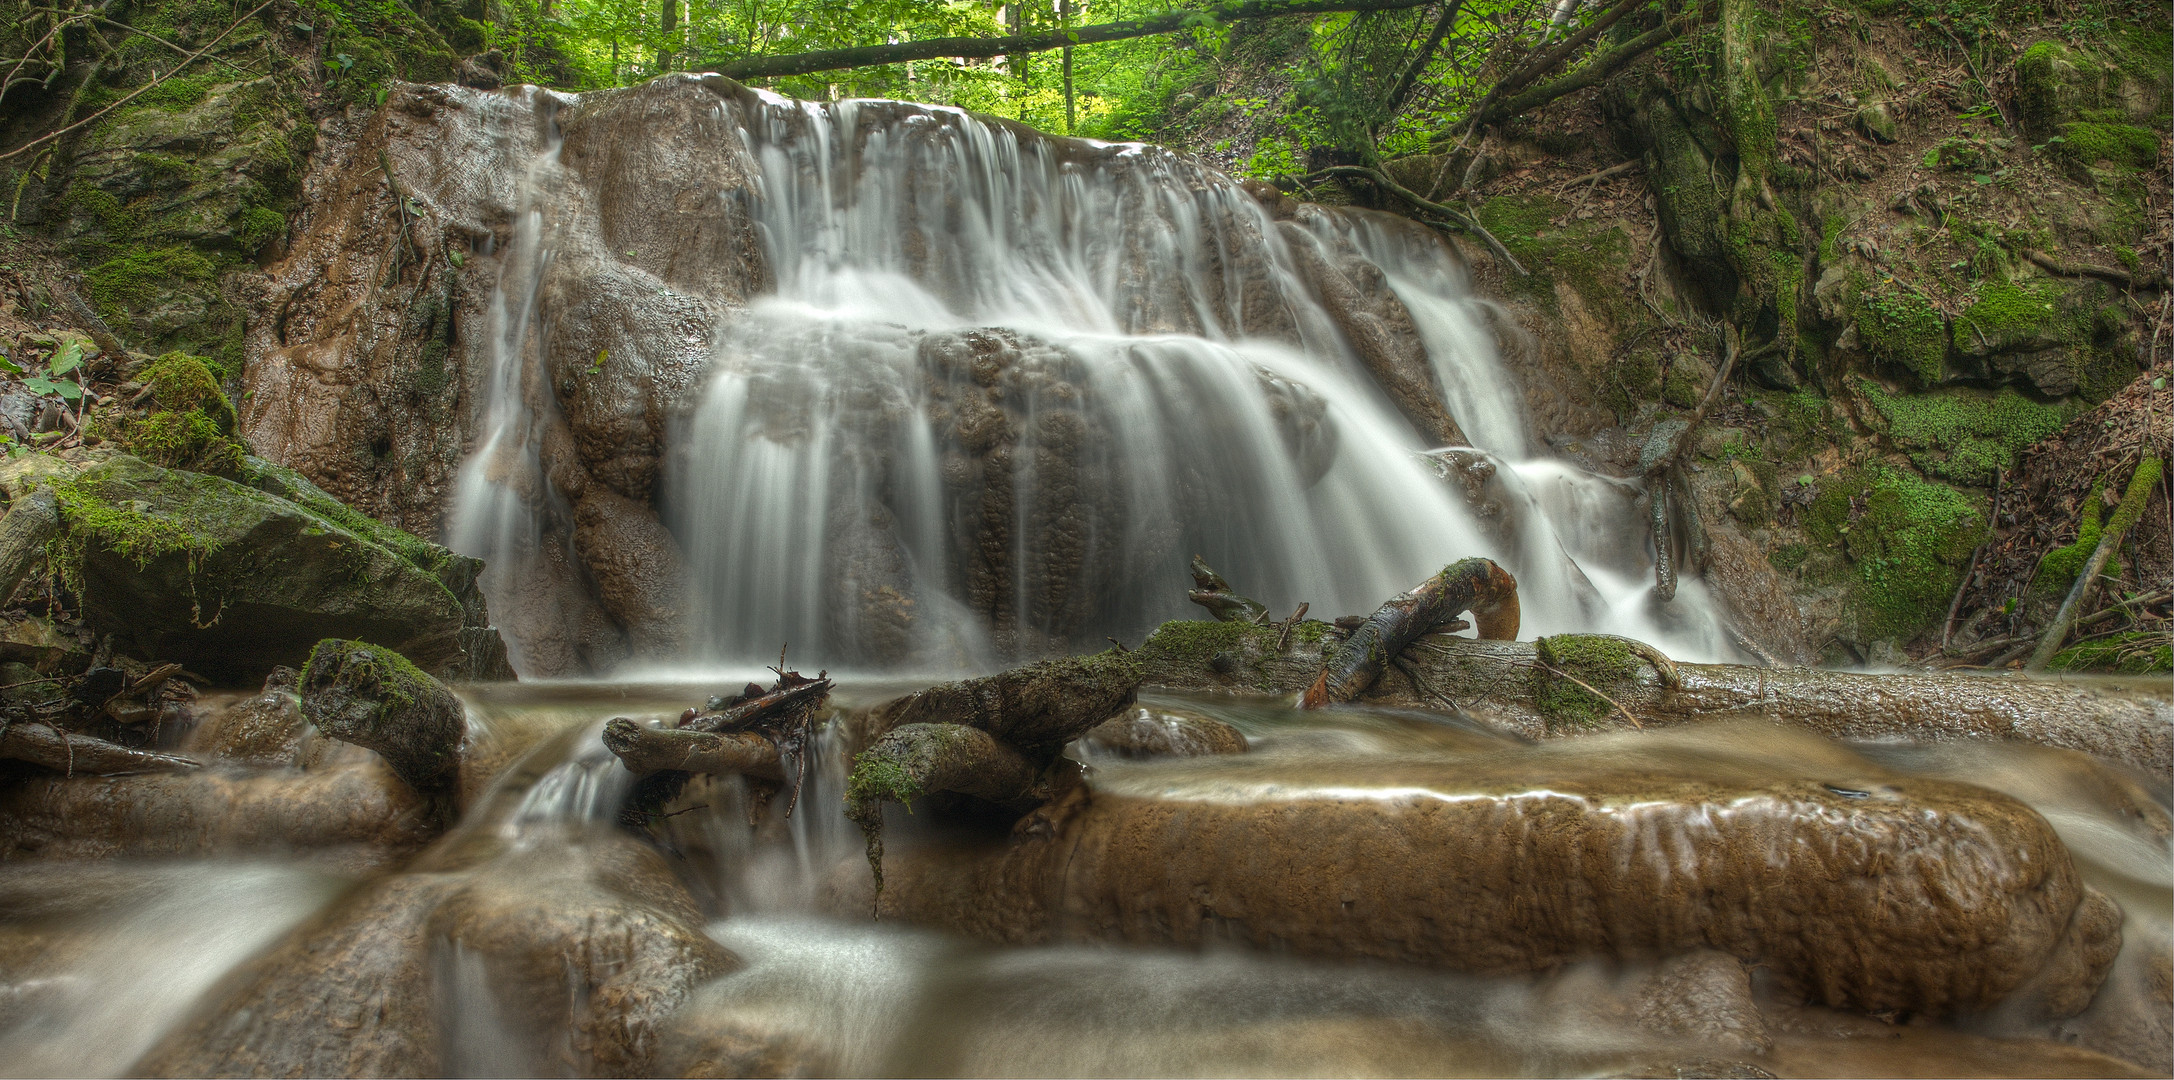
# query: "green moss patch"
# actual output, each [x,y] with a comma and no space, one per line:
[1964,435]
[1605,663]
[1907,541]
[92,514]
[1901,329]
[139,279]
[2122,145]
[2136,652]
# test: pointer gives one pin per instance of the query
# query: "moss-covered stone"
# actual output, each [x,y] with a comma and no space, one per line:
[190,423]
[232,580]
[2098,143]
[375,698]
[1902,331]
[1964,435]
[1906,541]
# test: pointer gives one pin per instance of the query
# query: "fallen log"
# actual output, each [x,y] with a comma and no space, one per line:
[2141,482]
[1475,585]
[1212,592]
[373,697]
[72,754]
[645,750]
[990,738]
[1506,684]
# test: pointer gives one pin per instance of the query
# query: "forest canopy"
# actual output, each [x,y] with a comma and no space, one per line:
[1385,76]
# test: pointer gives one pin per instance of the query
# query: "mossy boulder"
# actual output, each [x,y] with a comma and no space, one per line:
[373,697]
[1907,541]
[232,580]
[2054,84]
[185,420]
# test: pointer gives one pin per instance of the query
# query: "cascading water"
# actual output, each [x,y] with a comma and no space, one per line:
[1002,387]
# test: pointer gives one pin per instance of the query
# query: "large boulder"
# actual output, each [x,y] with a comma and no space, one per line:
[232,580]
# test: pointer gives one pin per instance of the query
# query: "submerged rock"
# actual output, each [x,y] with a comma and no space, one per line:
[1145,732]
[1854,887]
[372,697]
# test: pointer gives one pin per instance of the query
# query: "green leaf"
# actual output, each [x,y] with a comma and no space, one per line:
[10,366]
[68,391]
[39,384]
[1981,178]
[69,358]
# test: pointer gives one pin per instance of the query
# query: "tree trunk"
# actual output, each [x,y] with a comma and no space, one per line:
[63,752]
[1475,585]
[2132,507]
[671,24]
[770,67]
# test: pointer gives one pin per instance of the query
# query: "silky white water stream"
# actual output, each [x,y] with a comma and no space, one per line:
[1004,386]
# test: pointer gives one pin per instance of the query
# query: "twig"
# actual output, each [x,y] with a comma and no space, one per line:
[139,91]
[12,72]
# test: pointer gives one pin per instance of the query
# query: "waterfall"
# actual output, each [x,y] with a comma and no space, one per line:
[995,389]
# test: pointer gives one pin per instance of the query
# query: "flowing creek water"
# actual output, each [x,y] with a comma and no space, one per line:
[133,952]
[993,392]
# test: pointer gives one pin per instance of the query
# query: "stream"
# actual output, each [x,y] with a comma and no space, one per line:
[145,964]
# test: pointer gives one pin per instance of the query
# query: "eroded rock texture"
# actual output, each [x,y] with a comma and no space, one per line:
[1853,887]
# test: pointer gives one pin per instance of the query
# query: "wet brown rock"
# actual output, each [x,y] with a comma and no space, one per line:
[639,573]
[1852,887]
[364,374]
[585,944]
[262,729]
[1359,301]
[1155,732]
[351,811]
